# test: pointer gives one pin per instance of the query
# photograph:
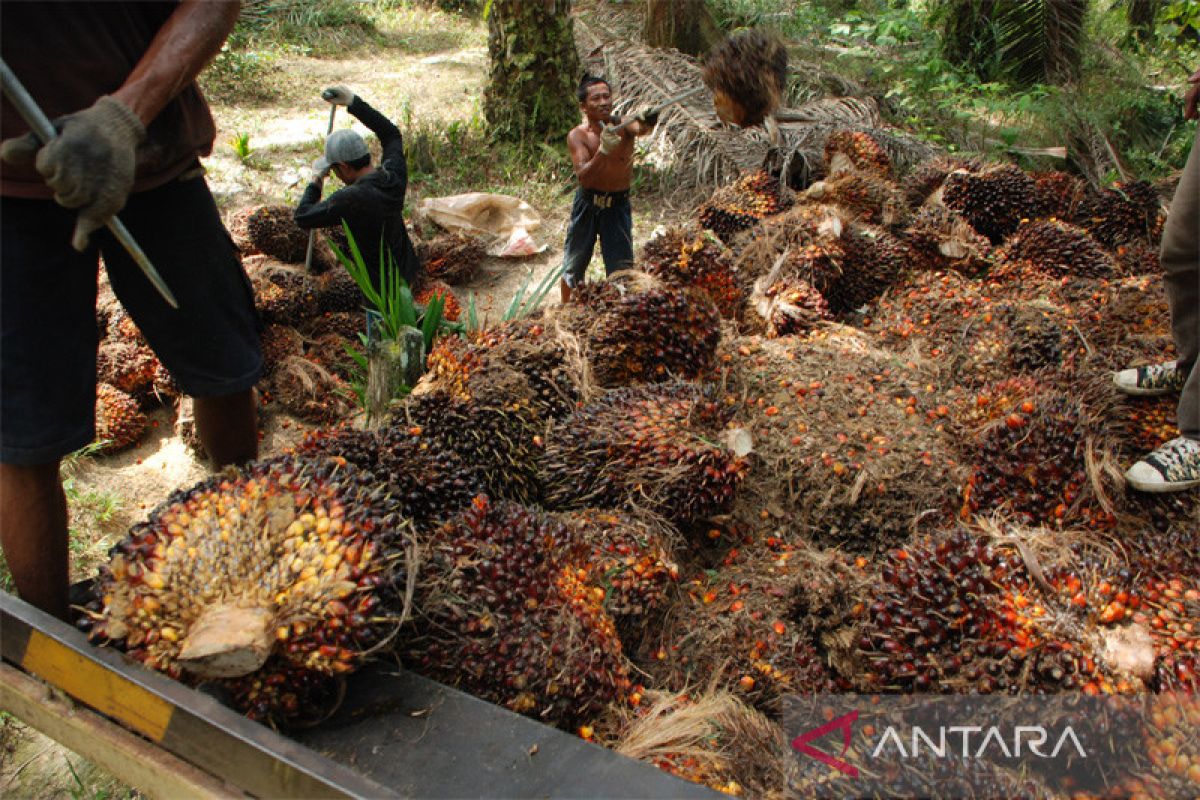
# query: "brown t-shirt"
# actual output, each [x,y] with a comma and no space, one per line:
[68,54]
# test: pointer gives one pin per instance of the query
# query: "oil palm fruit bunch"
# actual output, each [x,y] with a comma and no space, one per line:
[491,421]
[873,261]
[648,332]
[1034,465]
[310,391]
[282,294]
[1036,338]
[451,308]
[740,205]
[329,351]
[534,351]
[685,257]
[865,195]
[504,616]
[1137,258]
[344,323]
[928,176]
[271,230]
[627,555]
[649,447]
[848,150]
[994,201]
[120,422]
[943,239]
[1128,211]
[1060,193]
[960,615]
[747,74]
[791,306]
[129,367]
[280,342]
[293,557]
[426,484]
[452,257]
[337,291]
[283,693]
[1057,248]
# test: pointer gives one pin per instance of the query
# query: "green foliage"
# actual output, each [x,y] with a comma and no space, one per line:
[241,145]
[240,73]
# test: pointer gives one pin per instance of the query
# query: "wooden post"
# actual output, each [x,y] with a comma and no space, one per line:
[391,365]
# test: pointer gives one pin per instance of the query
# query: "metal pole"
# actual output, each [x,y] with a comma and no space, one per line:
[312,234]
[44,130]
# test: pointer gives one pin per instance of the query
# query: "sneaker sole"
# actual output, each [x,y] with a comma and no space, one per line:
[1162,488]
[1137,391]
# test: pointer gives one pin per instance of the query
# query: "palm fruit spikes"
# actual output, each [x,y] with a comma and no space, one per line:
[865,195]
[537,352]
[993,201]
[683,257]
[453,257]
[271,230]
[292,556]
[506,618]
[282,294]
[747,73]
[648,447]
[1058,249]
[850,150]
[119,421]
[740,205]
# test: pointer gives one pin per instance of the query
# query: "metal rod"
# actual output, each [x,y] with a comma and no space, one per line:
[312,234]
[679,98]
[40,124]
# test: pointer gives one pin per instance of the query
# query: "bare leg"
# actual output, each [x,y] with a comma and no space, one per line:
[564,292]
[228,427]
[33,532]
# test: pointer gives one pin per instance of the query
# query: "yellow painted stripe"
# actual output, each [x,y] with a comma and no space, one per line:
[103,690]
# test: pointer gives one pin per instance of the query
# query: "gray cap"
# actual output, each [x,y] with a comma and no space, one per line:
[344,146]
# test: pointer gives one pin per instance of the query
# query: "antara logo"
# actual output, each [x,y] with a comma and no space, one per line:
[843,723]
[1033,737]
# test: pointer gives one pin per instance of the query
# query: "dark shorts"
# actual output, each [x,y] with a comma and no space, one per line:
[603,214]
[48,335]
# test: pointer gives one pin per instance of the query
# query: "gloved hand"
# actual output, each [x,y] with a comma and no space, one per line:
[610,137]
[320,169]
[338,95]
[648,117]
[90,165]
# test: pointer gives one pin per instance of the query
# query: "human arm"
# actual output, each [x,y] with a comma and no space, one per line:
[313,212]
[1192,98]
[588,162]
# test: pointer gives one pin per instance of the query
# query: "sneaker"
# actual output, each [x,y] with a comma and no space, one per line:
[1173,467]
[1153,380]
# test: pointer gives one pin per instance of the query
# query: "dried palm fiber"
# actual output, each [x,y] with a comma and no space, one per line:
[452,257]
[451,308]
[330,352]
[548,356]
[850,442]
[689,257]
[652,447]
[733,628]
[270,230]
[280,342]
[344,323]
[1056,248]
[1060,193]
[942,239]
[282,293]
[928,176]
[505,616]
[788,306]
[1126,212]
[426,484]
[747,74]
[994,200]
[309,391]
[864,195]
[848,263]
[300,558]
[740,205]
[488,417]
[636,329]
[1040,464]
[337,291]
[709,737]
[630,555]
[120,423]
[855,151]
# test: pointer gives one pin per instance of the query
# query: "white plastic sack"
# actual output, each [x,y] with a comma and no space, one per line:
[481,213]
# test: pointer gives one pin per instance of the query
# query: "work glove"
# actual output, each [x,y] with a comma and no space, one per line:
[320,169]
[90,165]
[338,95]
[648,117]
[610,137]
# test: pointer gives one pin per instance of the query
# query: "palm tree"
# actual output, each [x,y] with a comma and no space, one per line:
[1027,41]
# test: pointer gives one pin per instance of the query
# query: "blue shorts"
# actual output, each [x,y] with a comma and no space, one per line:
[603,214]
[48,336]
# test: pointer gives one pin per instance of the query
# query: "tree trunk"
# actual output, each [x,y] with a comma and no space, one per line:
[969,35]
[534,69]
[686,25]
[1141,15]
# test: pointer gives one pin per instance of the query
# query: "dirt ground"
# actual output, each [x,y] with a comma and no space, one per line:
[420,83]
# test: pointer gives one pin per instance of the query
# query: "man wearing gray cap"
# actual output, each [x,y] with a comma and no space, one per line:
[372,202]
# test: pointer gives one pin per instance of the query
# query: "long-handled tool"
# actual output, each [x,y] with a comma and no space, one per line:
[42,128]
[658,109]
[312,234]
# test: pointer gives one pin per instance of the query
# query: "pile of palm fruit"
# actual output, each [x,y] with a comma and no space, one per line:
[865,443]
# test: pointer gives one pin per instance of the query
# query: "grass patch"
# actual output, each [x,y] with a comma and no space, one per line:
[95,517]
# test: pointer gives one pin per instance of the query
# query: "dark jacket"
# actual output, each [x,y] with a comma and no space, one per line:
[373,206]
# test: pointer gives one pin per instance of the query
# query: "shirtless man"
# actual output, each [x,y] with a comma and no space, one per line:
[603,159]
